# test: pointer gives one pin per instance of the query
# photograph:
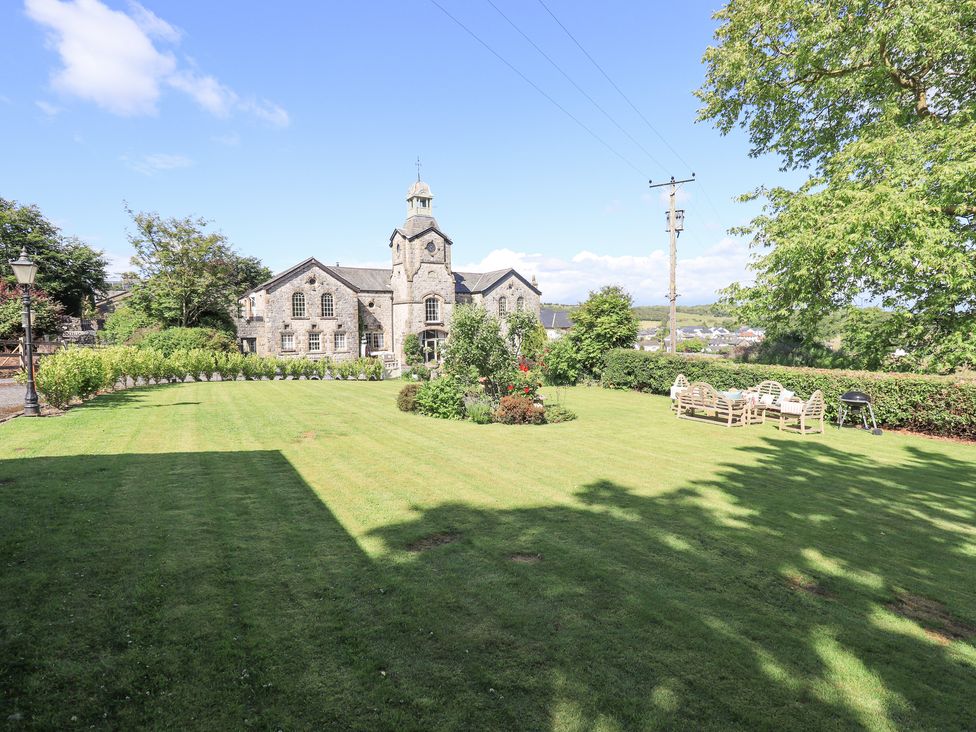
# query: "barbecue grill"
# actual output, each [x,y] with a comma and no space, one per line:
[856,404]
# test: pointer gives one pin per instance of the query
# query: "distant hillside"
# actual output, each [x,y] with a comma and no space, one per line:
[651,315]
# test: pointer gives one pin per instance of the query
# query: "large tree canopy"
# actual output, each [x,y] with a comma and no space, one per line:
[69,271]
[184,271]
[878,99]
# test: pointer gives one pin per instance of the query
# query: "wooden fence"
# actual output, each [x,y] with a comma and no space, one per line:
[12,353]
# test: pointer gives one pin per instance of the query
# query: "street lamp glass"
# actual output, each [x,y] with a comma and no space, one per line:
[24,269]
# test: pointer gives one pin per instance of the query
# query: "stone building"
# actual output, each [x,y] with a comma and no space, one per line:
[316,310]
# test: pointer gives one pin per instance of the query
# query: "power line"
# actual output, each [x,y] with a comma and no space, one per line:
[531,83]
[627,99]
[577,86]
[614,85]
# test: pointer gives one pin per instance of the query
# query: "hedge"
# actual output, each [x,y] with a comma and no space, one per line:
[79,373]
[932,405]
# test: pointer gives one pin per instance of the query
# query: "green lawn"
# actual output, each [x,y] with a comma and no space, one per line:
[300,555]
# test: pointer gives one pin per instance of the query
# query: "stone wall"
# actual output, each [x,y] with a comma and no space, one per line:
[278,319]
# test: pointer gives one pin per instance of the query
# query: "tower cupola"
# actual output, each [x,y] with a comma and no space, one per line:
[419,200]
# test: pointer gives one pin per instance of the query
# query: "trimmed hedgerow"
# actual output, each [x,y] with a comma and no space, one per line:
[78,373]
[929,404]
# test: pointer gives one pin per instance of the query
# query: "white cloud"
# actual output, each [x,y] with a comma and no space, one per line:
[51,110]
[206,91]
[152,24]
[156,162]
[268,111]
[645,277]
[109,57]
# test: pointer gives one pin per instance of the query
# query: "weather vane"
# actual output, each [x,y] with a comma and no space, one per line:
[418,168]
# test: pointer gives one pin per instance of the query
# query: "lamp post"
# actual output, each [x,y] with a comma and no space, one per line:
[25,270]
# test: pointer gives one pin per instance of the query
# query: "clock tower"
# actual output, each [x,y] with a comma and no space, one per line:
[422,279]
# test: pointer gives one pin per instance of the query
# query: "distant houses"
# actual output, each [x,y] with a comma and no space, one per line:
[716,339]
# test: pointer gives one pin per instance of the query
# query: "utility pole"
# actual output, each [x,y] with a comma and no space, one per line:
[676,224]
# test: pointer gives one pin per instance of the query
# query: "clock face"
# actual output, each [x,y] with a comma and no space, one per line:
[431,247]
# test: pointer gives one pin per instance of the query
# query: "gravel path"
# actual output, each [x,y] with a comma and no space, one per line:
[11,393]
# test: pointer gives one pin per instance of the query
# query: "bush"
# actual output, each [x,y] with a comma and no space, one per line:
[480,413]
[929,404]
[519,410]
[70,374]
[407,398]
[556,413]
[560,363]
[121,325]
[443,398]
[187,339]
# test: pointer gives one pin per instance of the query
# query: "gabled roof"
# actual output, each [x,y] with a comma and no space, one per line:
[558,319]
[416,227]
[474,282]
[367,279]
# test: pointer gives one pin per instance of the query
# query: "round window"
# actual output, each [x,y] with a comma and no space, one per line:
[431,247]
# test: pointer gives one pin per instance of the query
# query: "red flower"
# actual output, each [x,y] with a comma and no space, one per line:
[524,367]
[527,390]
[511,386]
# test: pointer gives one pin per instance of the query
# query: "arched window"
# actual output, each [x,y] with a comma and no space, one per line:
[328,305]
[298,305]
[432,310]
[520,304]
[502,305]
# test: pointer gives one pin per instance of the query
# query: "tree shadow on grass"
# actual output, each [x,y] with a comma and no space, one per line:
[206,589]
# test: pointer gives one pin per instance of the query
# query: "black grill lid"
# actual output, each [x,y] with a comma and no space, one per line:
[855,397]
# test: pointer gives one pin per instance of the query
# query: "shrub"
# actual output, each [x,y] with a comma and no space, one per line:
[929,404]
[522,383]
[416,373]
[413,352]
[480,413]
[185,339]
[407,398]
[443,398]
[230,365]
[121,325]
[560,363]
[556,413]
[72,373]
[519,410]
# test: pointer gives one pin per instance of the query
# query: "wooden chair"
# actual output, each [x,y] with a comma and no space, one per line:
[679,385]
[769,397]
[702,402]
[805,413]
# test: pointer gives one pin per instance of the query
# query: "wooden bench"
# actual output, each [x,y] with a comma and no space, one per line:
[679,385]
[705,403]
[805,413]
[769,394]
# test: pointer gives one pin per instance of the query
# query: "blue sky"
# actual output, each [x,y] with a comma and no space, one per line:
[295,127]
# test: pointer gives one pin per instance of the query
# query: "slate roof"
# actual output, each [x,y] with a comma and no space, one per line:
[366,279]
[558,319]
[363,278]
